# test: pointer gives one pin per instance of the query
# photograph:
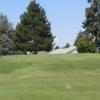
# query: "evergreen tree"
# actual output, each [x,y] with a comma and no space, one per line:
[33,33]
[67,45]
[92,22]
[6,31]
[57,47]
[89,1]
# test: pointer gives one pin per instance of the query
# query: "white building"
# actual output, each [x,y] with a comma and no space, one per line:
[65,51]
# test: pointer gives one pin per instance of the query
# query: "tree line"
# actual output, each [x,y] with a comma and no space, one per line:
[33,33]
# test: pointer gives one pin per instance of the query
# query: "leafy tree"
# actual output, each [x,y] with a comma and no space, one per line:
[6,31]
[33,33]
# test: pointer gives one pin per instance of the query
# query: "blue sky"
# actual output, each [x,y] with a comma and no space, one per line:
[66,16]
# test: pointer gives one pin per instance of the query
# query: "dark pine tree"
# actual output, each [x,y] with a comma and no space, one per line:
[33,33]
[92,22]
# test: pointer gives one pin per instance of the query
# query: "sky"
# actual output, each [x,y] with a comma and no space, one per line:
[66,16]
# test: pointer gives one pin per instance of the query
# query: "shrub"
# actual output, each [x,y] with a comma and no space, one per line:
[85,45]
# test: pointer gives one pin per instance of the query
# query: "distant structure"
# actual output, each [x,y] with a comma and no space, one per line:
[65,51]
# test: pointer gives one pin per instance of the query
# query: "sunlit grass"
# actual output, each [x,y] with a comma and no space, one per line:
[50,77]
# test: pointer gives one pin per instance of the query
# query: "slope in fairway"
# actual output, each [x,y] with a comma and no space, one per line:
[50,77]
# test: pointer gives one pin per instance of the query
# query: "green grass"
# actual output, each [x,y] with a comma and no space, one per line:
[50,77]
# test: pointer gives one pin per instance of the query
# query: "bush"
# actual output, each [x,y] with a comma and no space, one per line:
[85,45]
